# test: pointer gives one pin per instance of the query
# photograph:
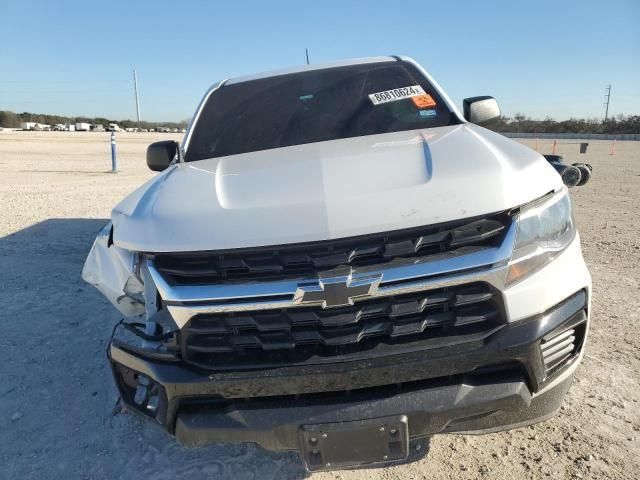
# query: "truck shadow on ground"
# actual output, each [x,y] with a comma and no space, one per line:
[57,386]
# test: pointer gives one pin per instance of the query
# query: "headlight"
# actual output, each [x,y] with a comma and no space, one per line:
[544,230]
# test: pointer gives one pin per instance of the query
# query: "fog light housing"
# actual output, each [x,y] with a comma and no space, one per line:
[141,392]
[560,347]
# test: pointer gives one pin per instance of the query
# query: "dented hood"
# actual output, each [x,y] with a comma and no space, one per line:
[331,190]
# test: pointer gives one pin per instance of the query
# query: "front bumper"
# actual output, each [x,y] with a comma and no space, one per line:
[499,383]
[475,404]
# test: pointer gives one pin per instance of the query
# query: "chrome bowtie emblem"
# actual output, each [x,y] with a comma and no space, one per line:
[337,291]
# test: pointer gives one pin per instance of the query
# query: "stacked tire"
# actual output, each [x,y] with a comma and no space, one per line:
[574,175]
[586,171]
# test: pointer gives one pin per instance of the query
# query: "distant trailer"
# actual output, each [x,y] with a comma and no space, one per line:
[97,128]
[83,127]
[28,125]
[70,128]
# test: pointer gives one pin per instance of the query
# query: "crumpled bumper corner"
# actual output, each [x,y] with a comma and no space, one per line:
[110,269]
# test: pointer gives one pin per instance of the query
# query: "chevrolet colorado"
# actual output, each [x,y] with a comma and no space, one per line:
[336,261]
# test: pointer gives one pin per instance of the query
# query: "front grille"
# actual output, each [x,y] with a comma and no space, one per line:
[307,259]
[372,327]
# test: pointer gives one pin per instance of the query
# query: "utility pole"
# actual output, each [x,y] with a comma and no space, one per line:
[135,90]
[306,50]
[608,95]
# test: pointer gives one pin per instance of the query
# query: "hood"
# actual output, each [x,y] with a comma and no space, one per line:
[331,190]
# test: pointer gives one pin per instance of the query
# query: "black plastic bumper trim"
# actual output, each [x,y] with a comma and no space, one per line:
[429,411]
[514,344]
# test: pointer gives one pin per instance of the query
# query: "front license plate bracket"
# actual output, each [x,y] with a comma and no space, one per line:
[357,443]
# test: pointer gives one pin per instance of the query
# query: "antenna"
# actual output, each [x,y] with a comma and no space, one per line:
[306,50]
[608,95]
[135,90]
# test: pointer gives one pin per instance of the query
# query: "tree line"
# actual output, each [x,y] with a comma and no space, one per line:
[14,120]
[519,123]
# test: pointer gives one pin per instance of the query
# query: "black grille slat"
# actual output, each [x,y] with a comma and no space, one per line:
[403,248]
[401,307]
[469,318]
[435,238]
[366,252]
[409,328]
[298,335]
[476,232]
[307,259]
[469,298]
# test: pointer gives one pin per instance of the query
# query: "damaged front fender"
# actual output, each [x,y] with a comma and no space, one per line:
[112,271]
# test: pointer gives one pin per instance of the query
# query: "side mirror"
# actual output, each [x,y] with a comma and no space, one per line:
[481,110]
[160,154]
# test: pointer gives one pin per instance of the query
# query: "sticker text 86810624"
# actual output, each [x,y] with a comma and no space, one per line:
[396,94]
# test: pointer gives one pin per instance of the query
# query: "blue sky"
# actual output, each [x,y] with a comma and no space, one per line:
[539,58]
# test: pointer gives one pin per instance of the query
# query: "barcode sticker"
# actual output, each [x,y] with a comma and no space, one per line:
[396,94]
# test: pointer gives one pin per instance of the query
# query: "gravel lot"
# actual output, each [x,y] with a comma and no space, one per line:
[57,416]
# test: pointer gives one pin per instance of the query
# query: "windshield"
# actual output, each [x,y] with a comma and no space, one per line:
[316,106]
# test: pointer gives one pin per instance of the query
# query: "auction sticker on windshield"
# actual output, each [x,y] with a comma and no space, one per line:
[396,94]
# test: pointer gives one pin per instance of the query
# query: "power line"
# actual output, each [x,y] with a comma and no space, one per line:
[306,51]
[608,95]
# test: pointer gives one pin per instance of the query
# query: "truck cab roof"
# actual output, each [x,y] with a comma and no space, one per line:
[308,68]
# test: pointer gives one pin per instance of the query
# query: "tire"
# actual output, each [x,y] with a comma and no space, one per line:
[571,175]
[585,174]
[587,165]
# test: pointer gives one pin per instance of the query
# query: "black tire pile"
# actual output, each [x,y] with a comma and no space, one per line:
[575,175]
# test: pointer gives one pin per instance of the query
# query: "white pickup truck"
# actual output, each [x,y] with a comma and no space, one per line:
[336,261]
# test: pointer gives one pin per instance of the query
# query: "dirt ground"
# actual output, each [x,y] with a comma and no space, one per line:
[57,417]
